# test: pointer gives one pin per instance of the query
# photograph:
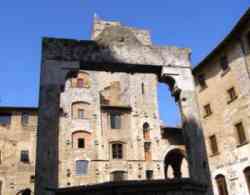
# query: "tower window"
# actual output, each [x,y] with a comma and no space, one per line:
[232,94]
[81,143]
[149,174]
[81,167]
[80,83]
[117,152]
[224,63]
[202,81]
[221,184]
[24,156]
[213,144]
[80,114]
[241,133]
[207,110]
[115,120]
[25,119]
[147,151]
[142,89]
[247,177]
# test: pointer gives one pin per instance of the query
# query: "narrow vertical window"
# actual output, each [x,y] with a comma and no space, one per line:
[224,63]
[81,143]
[241,133]
[207,110]
[247,177]
[117,152]
[142,89]
[24,156]
[25,119]
[147,151]
[81,167]
[213,144]
[221,185]
[149,174]
[115,120]
[146,131]
[80,114]
[202,81]
[231,94]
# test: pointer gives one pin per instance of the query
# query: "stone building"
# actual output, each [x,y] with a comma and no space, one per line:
[223,89]
[98,111]
[17,149]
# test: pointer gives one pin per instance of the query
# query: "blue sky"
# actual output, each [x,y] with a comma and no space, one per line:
[199,25]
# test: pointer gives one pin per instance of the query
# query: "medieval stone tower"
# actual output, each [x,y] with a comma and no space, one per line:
[98,110]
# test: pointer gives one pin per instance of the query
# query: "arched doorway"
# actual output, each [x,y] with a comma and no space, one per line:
[175,164]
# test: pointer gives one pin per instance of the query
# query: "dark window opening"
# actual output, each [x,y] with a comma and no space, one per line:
[208,110]
[149,174]
[24,156]
[32,179]
[241,133]
[81,143]
[202,81]
[80,114]
[5,119]
[80,83]
[247,177]
[115,120]
[25,119]
[221,184]
[224,63]
[232,94]
[119,176]
[117,152]
[81,167]
[142,89]
[213,144]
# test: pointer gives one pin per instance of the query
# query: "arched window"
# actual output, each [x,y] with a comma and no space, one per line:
[82,167]
[81,139]
[80,110]
[247,176]
[119,176]
[146,131]
[221,184]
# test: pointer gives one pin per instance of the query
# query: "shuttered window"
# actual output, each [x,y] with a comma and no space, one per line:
[241,133]
[81,167]
[115,120]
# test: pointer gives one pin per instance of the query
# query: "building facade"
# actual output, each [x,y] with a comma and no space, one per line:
[223,90]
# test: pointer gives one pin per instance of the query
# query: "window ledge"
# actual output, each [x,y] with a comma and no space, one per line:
[242,144]
[225,72]
[231,100]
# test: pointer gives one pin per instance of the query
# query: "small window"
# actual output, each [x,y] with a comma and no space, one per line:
[25,119]
[147,151]
[81,143]
[5,119]
[213,144]
[202,81]
[224,63]
[146,131]
[247,177]
[119,176]
[241,133]
[117,152]
[149,174]
[115,120]
[24,156]
[80,83]
[32,179]
[80,114]
[81,167]
[221,185]
[142,89]
[232,94]
[207,110]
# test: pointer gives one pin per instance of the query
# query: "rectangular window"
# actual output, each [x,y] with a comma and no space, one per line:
[119,176]
[24,156]
[5,119]
[202,81]
[80,114]
[224,63]
[81,167]
[241,133]
[25,119]
[32,179]
[207,110]
[117,152]
[115,120]
[232,94]
[149,174]
[147,151]
[213,144]
[81,143]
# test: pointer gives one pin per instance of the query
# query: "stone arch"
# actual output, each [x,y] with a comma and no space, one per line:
[81,139]
[172,84]
[221,184]
[174,159]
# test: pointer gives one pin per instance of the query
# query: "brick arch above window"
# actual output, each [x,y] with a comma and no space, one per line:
[80,110]
[81,139]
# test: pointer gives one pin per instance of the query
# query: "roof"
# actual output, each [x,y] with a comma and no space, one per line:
[18,108]
[231,36]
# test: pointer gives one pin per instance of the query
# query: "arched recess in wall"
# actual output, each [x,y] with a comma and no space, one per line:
[175,164]
[80,110]
[247,177]
[221,184]
[168,95]
[81,139]
[77,79]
